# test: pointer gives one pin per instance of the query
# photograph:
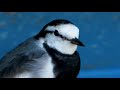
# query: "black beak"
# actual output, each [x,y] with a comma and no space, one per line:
[77,42]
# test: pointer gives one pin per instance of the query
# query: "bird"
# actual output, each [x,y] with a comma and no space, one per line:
[51,53]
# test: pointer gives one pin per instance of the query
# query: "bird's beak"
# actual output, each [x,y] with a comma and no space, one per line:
[77,42]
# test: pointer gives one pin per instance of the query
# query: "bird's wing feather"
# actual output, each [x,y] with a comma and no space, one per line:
[15,61]
[18,64]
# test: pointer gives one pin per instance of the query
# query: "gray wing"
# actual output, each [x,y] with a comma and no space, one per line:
[16,61]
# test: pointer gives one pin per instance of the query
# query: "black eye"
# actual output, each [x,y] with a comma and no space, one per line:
[56,33]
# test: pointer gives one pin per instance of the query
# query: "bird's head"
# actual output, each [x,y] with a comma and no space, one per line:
[61,35]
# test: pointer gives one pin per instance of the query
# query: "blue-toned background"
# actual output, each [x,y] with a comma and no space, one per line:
[100,32]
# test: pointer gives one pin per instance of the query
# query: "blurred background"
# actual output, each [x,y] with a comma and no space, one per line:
[99,31]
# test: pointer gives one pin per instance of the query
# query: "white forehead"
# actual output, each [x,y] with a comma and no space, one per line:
[68,30]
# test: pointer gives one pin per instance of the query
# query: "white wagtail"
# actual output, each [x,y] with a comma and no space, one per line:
[49,54]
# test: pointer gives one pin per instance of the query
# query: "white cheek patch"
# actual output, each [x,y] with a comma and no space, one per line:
[61,45]
[69,31]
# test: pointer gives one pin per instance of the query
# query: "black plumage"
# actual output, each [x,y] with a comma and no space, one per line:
[66,66]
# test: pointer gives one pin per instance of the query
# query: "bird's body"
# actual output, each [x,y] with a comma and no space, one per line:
[46,55]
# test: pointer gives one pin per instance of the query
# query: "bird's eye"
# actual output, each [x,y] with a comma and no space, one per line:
[56,33]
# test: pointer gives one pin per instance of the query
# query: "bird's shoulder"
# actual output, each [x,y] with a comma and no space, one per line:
[26,48]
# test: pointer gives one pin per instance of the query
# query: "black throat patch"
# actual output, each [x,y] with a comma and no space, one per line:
[66,66]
